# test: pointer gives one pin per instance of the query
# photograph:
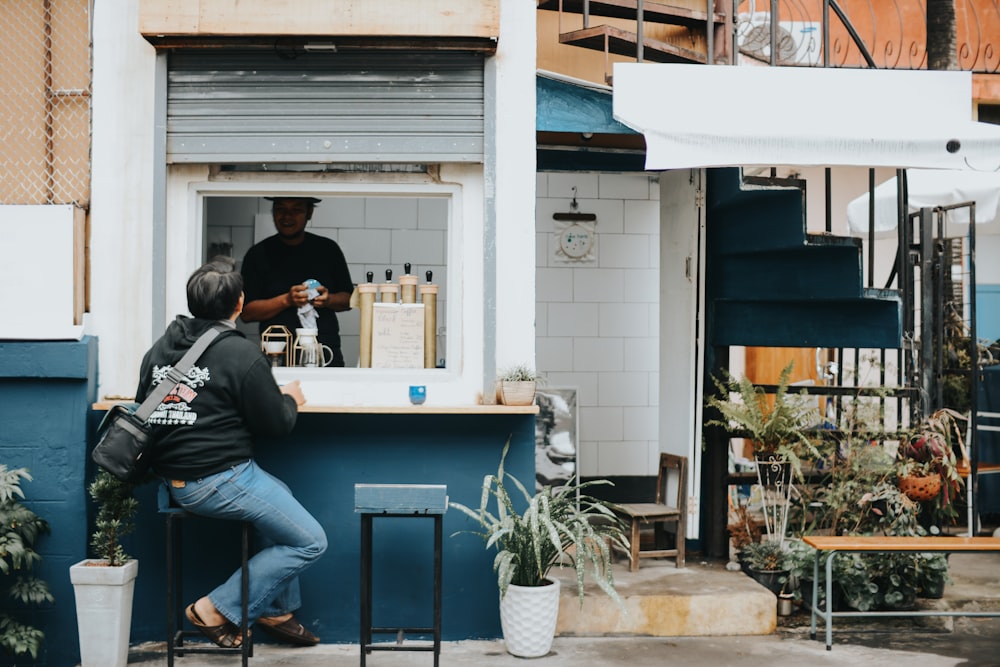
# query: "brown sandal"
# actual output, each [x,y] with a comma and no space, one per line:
[289,631]
[226,635]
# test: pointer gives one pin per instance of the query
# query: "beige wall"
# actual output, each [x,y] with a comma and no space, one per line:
[385,18]
[45,106]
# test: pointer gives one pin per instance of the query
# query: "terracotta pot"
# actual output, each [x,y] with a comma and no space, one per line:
[515,393]
[920,488]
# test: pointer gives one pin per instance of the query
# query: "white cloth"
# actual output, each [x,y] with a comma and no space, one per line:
[928,188]
[716,116]
[308,316]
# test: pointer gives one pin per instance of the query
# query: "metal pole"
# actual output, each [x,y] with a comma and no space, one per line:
[774,32]
[638,31]
[974,375]
[926,309]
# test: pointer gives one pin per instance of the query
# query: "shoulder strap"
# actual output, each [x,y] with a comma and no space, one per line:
[175,375]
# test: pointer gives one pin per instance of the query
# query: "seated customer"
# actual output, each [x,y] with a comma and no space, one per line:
[205,431]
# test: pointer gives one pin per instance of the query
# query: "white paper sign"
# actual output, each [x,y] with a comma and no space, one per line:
[398,335]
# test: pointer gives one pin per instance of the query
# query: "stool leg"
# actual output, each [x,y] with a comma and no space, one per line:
[366,585]
[171,611]
[246,645]
[437,588]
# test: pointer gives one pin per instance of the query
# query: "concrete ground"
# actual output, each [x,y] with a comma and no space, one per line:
[923,642]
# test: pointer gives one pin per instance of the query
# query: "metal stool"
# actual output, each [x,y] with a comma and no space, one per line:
[175,611]
[427,501]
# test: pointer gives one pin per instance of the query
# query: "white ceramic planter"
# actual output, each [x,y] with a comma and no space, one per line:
[103,611]
[528,617]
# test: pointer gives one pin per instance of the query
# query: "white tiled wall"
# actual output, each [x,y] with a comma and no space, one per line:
[597,322]
[375,233]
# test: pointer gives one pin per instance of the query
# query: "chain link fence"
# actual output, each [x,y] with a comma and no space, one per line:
[45,85]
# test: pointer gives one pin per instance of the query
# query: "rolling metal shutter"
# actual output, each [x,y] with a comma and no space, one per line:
[376,106]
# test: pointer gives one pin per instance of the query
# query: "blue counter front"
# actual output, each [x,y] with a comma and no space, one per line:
[322,460]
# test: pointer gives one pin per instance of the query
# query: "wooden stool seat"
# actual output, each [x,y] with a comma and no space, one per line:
[660,513]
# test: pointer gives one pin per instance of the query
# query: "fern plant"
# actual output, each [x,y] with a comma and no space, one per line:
[552,530]
[780,429]
[19,528]
[116,512]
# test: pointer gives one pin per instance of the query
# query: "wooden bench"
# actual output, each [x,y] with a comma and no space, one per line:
[833,545]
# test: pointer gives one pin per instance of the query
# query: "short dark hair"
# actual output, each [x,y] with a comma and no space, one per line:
[214,289]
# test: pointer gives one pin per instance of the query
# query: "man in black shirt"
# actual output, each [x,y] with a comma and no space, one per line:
[275,271]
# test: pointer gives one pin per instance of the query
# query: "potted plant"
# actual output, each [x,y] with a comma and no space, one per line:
[927,466]
[19,528]
[778,430]
[103,586]
[559,526]
[932,575]
[516,385]
[766,562]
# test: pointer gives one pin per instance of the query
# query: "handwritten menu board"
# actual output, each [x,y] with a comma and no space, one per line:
[398,335]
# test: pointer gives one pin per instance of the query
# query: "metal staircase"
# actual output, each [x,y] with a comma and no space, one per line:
[692,40]
[773,284]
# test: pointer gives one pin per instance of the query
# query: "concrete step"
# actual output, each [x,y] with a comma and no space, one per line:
[660,600]
[706,600]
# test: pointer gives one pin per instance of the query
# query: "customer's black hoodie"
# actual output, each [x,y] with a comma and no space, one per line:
[229,397]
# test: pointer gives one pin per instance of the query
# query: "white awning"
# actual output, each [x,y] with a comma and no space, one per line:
[929,188]
[716,116]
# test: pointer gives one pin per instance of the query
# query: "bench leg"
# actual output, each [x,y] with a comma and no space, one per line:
[829,600]
[815,597]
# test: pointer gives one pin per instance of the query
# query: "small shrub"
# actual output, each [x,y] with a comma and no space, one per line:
[116,512]
[19,528]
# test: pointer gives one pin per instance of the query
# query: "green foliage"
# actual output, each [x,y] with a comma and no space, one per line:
[780,429]
[929,449]
[766,555]
[551,530]
[518,373]
[19,528]
[932,574]
[116,512]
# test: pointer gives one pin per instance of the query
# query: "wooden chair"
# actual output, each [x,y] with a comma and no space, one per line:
[660,513]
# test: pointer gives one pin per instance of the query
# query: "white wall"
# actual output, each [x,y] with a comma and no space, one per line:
[597,324]
[121,201]
[122,211]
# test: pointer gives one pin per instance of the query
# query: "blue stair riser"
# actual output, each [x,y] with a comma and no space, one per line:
[817,273]
[858,323]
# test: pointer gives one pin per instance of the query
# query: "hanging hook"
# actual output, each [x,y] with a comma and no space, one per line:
[574,213]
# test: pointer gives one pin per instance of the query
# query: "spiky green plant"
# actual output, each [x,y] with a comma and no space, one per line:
[552,530]
[518,373]
[116,512]
[19,528]
[780,429]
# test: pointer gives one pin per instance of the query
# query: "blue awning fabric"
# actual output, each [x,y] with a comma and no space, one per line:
[572,105]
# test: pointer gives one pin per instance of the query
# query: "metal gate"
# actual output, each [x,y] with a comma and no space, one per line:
[296,106]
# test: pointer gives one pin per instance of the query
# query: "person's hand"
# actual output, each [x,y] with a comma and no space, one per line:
[320,301]
[294,389]
[298,295]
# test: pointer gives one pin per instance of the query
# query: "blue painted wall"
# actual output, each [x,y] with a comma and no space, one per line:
[321,461]
[988,312]
[46,389]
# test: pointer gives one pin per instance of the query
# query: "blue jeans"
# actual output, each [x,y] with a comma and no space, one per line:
[290,539]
